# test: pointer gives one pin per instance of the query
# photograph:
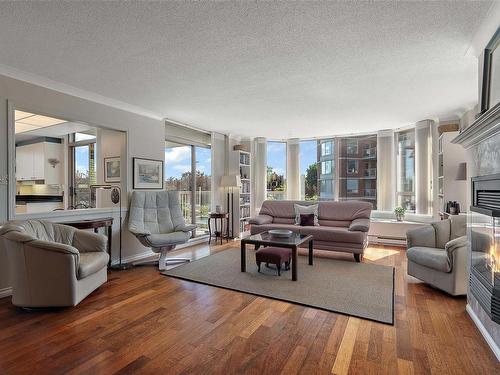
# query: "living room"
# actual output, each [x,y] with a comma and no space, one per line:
[227,187]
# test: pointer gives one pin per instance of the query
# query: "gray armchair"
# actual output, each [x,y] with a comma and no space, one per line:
[155,219]
[53,264]
[437,254]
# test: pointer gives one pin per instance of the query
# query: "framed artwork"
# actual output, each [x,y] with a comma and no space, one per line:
[490,87]
[147,173]
[112,169]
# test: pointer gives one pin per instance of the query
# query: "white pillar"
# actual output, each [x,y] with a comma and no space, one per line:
[386,171]
[259,172]
[219,166]
[423,168]
[293,169]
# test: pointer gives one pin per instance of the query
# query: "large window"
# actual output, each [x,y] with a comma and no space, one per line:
[309,170]
[327,178]
[188,170]
[358,168]
[276,170]
[405,169]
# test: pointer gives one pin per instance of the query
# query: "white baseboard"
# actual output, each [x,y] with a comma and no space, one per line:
[489,340]
[5,292]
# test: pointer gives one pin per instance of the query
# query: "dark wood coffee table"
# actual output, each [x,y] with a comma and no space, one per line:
[265,239]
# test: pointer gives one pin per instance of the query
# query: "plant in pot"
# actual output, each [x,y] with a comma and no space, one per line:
[400,213]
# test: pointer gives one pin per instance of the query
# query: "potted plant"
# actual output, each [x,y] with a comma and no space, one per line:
[400,213]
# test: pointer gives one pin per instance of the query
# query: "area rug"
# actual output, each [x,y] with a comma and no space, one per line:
[357,289]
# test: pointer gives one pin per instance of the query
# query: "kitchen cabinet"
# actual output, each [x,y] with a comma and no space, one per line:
[32,162]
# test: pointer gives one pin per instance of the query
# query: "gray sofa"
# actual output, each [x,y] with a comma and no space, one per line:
[52,264]
[343,226]
[437,254]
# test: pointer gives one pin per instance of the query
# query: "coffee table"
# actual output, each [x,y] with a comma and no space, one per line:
[265,239]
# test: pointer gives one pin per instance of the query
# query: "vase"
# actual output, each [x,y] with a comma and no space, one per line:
[400,217]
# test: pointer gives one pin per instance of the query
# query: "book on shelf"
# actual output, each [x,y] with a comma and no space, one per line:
[244,159]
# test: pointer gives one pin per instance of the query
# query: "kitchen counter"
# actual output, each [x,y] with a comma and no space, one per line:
[20,199]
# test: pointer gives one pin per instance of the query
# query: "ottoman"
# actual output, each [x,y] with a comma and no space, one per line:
[274,255]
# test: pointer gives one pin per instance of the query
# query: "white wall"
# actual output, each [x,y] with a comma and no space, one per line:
[145,138]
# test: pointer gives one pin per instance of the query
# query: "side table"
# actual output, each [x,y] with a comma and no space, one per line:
[222,217]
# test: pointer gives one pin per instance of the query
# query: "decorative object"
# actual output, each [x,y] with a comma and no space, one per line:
[462,172]
[112,169]
[218,209]
[147,174]
[162,227]
[274,255]
[292,242]
[363,290]
[223,218]
[115,198]
[53,162]
[400,213]
[230,182]
[280,233]
[306,220]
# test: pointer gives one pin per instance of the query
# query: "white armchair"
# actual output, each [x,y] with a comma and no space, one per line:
[437,254]
[53,264]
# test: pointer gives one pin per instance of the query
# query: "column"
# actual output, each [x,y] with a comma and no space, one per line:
[259,171]
[386,171]
[293,168]
[423,168]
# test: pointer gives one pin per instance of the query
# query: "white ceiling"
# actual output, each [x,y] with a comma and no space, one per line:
[260,69]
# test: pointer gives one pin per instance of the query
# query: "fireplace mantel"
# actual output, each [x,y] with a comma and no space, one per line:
[483,128]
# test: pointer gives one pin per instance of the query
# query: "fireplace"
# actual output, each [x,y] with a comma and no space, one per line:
[485,244]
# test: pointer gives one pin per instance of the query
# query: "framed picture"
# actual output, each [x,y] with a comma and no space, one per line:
[490,87]
[112,169]
[147,173]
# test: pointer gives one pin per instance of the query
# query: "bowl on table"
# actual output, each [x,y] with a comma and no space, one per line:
[283,233]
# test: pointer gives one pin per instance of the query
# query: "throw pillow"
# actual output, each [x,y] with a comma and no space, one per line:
[312,209]
[307,220]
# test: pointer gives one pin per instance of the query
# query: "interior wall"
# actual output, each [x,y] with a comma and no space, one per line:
[145,138]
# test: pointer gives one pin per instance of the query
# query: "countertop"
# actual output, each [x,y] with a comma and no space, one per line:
[38,198]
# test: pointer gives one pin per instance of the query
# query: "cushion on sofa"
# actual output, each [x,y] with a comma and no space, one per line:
[92,262]
[299,210]
[430,257]
[306,220]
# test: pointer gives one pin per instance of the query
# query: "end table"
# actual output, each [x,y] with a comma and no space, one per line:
[222,218]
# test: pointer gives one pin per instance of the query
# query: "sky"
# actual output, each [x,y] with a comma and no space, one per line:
[178,160]
[276,155]
[82,159]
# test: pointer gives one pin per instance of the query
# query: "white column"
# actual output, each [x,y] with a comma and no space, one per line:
[423,168]
[293,169]
[386,171]
[219,162]
[259,172]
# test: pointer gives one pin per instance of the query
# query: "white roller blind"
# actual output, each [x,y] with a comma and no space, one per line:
[183,134]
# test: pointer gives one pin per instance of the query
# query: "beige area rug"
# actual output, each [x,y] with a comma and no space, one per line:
[357,289]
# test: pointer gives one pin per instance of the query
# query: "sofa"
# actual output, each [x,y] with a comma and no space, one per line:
[437,254]
[53,265]
[343,226]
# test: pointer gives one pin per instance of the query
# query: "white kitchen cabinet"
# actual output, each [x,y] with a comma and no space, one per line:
[32,162]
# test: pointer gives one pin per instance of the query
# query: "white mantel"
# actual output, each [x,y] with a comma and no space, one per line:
[483,128]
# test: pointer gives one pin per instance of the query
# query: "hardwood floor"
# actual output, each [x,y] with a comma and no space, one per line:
[142,322]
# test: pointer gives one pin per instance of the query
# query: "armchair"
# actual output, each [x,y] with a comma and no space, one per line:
[53,264]
[437,254]
[155,219]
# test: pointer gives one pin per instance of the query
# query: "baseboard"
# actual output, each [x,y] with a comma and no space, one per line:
[5,292]
[489,340]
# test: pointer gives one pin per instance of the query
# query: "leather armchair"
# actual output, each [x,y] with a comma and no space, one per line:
[155,219]
[437,254]
[53,264]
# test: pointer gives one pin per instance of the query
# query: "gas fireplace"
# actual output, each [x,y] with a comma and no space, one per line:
[485,244]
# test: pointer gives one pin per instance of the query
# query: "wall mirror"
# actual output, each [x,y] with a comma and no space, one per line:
[55,162]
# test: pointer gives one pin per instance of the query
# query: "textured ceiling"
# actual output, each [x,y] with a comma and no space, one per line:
[280,70]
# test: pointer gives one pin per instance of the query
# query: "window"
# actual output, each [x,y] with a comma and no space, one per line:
[276,170]
[353,186]
[83,170]
[405,170]
[309,170]
[352,147]
[352,166]
[327,167]
[326,148]
[188,170]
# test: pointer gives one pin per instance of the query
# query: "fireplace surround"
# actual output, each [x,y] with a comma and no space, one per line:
[485,244]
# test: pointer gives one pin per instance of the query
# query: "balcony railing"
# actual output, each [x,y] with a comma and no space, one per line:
[371,172]
[370,152]
[370,193]
[202,208]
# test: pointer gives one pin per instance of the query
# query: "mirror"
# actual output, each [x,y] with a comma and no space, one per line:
[57,161]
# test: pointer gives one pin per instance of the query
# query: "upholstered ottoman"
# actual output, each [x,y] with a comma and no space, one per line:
[274,255]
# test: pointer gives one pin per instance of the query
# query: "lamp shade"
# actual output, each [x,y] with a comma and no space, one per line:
[461,172]
[230,181]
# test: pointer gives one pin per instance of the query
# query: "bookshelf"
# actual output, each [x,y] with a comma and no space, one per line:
[245,193]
